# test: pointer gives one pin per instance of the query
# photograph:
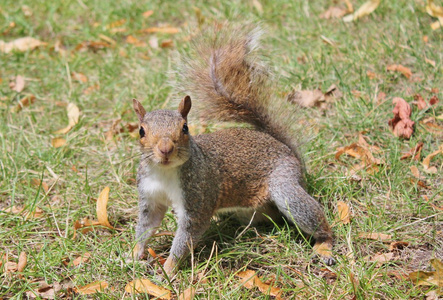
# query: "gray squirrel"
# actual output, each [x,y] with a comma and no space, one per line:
[236,169]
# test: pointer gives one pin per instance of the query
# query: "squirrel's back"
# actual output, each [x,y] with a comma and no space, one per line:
[228,81]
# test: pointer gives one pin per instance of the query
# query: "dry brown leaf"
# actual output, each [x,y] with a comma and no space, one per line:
[433,10]
[437,24]
[44,290]
[415,171]
[58,142]
[85,225]
[430,61]
[427,161]
[334,12]
[84,258]
[429,278]
[18,210]
[135,41]
[434,100]
[187,294]
[414,152]
[167,44]
[18,84]
[146,286]
[102,202]
[73,116]
[249,279]
[401,124]
[22,261]
[400,68]
[92,45]
[398,245]
[91,89]
[364,10]
[21,45]
[161,260]
[420,102]
[117,23]
[37,182]
[80,77]
[147,13]
[92,288]
[25,101]
[431,126]
[170,30]
[343,212]
[375,236]
[371,75]
[382,258]
[307,98]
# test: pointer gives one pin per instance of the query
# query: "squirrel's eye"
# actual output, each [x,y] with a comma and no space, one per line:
[185,129]
[141,132]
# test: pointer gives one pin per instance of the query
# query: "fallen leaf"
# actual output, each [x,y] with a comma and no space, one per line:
[430,61]
[257,5]
[92,45]
[102,202]
[381,96]
[58,142]
[430,203]
[18,210]
[334,12]
[427,161]
[91,89]
[364,10]
[154,255]
[415,171]
[343,212]
[25,101]
[153,42]
[135,41]
[307,98]
[398,245]
[146,286]
[106,38]
[85,225]
[433,10]
[79,77]
[92,288]
[425,39]
[249,279]
[44,290]
[187,294]
[22,261]
[431,126]
[37,183]
[82,259]
[401,125]
[116,24]
[20,45]
[400,68]
[429,278]
[10,267]
[18,84]
[170,30]
[167,44]
[73,116]
[147,13]
[382,258]
[414,152]
[420,102]
[434,100]
[371,75]
[436,25]
[374,236]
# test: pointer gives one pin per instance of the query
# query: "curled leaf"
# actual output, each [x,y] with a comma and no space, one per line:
[364,10]
[401,124]
[73,116]
[146,286]
[102,202]
[415,152]
[343,212]
[22,261]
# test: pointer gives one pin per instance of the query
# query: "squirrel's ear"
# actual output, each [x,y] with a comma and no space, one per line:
[185,106]
[139,110]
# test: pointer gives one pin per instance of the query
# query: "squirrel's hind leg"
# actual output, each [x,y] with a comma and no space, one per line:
[300,208]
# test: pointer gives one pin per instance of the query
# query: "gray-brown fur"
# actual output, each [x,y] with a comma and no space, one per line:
[233,168]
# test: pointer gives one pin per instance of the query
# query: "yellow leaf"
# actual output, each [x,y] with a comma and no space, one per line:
[146,286]
[92,288]
[73,116]
[58,142]
[427,161]
[364,10]
[434,10]
[22,261]
[374,236]
[81,259]
[102,202]
[429,278]
[249,279]
[170,30]
[20,45]
[148,13]
[343,212]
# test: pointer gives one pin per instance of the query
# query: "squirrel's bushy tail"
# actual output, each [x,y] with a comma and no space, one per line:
[228,81]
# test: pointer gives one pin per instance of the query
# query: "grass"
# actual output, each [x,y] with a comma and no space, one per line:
[387,201]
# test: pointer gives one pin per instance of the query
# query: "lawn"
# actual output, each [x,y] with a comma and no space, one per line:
[98,55]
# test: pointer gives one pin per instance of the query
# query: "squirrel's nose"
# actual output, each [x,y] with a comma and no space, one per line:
[166,146]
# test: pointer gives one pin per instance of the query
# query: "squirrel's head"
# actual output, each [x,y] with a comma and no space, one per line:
[164,134]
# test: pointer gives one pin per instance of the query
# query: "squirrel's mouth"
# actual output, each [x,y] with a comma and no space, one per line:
[165,161]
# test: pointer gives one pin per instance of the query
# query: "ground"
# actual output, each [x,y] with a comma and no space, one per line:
[98,55]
